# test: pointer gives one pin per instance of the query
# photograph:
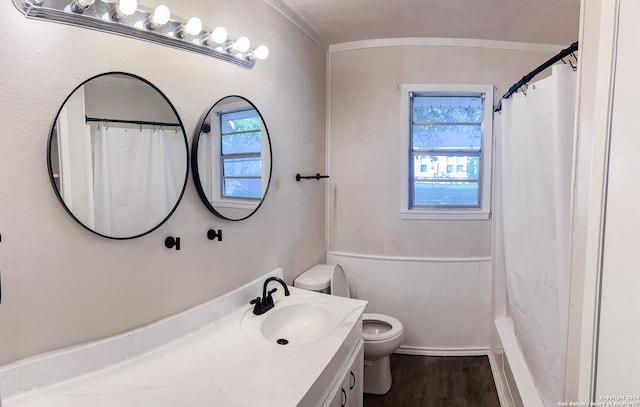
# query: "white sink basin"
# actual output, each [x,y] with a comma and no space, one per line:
[294,320]
[297,324]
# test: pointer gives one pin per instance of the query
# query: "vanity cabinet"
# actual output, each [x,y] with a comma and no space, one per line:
[347,389]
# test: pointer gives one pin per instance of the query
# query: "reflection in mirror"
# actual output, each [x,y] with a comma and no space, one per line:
[118,156]
[231,158]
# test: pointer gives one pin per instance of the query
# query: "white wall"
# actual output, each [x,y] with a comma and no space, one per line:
[593,83]
[131,100]
[63,285]
[364,193]
[617,352]
[365,144]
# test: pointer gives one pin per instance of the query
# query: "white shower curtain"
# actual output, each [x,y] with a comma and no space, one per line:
[535,172]
[136,178]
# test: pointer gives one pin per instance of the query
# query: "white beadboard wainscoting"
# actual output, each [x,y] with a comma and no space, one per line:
[445,305]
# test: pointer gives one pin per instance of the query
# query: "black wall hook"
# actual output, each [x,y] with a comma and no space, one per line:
[214,234]
[170,242]
[316,177]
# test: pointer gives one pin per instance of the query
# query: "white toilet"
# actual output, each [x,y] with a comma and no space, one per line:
[381,334]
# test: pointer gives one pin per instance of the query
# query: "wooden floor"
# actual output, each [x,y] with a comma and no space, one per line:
[438,381]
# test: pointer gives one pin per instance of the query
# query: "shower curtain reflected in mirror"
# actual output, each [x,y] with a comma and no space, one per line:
[534,199]
[137,177]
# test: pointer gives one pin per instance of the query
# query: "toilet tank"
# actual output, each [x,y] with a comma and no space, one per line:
[316,278]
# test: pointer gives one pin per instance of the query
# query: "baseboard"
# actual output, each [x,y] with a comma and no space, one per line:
[422,351]
[504,395]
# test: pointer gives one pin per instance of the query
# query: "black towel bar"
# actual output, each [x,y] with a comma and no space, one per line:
[316,177]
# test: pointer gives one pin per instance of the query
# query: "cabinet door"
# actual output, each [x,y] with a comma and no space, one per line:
[354,381]
[347,390]
[339,395]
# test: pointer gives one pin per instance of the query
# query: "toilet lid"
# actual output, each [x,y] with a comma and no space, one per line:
[339,283]
[380,327]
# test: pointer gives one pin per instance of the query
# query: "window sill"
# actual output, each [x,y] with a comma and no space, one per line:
[235,204]
[460,214]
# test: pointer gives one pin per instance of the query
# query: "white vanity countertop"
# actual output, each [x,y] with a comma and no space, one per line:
[218,365]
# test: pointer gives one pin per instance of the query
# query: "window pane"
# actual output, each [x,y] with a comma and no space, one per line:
[243,120]
[458,167]
[452,137]
[245,166]
[241,143]
[445,193]
[447,109]
[242,187]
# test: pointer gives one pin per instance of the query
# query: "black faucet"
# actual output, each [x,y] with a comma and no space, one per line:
[264,304]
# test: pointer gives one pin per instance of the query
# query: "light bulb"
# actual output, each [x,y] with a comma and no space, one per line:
[218,35]
[262,52]
[242,44]
[160,16]
[123,9]
[127,7]
[192,27]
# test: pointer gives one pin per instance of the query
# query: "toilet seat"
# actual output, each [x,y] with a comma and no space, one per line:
[395,327]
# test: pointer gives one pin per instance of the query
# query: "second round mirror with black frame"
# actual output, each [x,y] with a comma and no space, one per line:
[118,157]
[231,158]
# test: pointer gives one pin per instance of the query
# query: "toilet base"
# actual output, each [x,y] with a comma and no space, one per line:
[377,376]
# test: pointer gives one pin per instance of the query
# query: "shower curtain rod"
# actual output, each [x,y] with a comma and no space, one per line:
[139,122]
[525,79]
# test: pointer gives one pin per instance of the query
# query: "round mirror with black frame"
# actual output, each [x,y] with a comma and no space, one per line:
[118,157]
[231,158]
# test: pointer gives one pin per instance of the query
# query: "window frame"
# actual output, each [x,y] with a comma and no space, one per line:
[483,210]
[218,199]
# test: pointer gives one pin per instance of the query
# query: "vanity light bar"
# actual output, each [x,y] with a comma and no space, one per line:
[157,26]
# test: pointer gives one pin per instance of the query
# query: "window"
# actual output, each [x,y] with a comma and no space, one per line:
[240,157]
[448,130]
[234,157]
